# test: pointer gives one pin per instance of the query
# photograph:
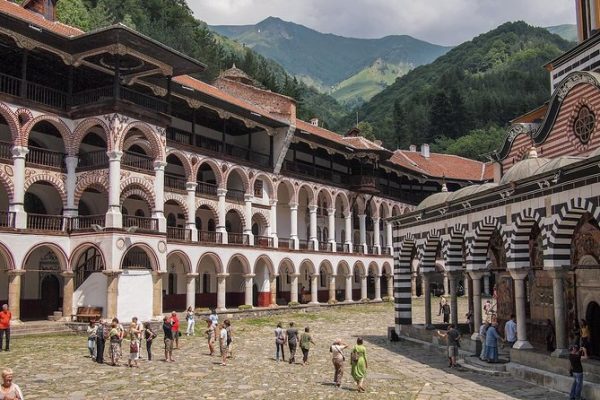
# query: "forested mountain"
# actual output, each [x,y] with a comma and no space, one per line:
[565,31]
[481,84]
[172,22]
[353,70]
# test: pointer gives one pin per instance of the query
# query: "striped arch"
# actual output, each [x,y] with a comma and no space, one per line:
[209,205]
[185,162]
[268,181]
[6,182]
[517,253]
[187,263]
[262,218]
[239,211]
[55,121]
[140,187]
[558,244]
[57,183]
[179,199]
[12,121]
[96,179]
[24,115]
[403,249]
[150,134]
[82,129]
[345,202]
[216,169]
[243,175]
[477,249]
[453,248]
[429,250]
[327,195]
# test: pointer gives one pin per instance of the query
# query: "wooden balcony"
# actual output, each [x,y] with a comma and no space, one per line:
[47,223]
[235,195]
[206,189]
[141,224]
[139,162]
[179,234]
[205,237]
[86,223]
[263,241]
[237,239]
[93,160]
[174,182]
[45,157]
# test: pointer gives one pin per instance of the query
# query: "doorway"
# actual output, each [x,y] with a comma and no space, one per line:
[592,317]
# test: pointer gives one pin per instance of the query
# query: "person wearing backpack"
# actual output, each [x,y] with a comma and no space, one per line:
[279,342]
[338,358]
[358,358]
[305,342]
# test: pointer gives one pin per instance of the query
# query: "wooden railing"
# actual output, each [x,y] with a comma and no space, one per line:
[386,251]
[10,85]
[137,259]
[7,219]
[304,244]
[137,161]
[179,234]
[144,100]
[339,247]
[175,182]
[324,174]
[235,194]
[263,241]
[47,96]
[237,238]
[358,249]
[141,223]
[40,222]
[48,158]
[5,151]
[209,237]
[86,222]
[207,189]
[285,243]
[324,246]
[93,159]
[180,136]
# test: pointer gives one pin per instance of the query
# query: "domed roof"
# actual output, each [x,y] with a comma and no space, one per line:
[433,200]
[523,169]
[557,163]
[463,192]
[595,153]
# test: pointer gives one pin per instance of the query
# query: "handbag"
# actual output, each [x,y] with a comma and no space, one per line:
[133,347]
[354,356]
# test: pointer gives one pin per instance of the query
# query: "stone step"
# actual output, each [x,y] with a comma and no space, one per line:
[39,328]
[479,366]
[481,371]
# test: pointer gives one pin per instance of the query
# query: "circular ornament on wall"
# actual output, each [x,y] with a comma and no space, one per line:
[584,125]
[120,244]
[162,246]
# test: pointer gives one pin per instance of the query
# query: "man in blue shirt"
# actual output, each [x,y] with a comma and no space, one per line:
[510,331]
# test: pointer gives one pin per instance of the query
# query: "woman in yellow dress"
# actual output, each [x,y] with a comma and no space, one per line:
[359,364]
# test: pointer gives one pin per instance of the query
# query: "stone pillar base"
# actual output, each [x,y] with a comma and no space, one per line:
[114,218]
[522,345]
[560,353]
[314,304]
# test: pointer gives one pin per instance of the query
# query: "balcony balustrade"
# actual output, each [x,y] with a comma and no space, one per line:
[83,223]
[137,161]
[304,244]
[285,243]
[209,237]
[45,157]
[93,160]
[237,238]
[179,234]
[314,171]
[49,223]
[263,241]
[386,251]
[206,189]
[235,195]
[358,249]
[175,182]
[5,151]
[7,219]
[143,224]
[324,246]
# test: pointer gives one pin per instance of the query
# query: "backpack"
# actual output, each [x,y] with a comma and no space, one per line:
[280,337]
[354,356]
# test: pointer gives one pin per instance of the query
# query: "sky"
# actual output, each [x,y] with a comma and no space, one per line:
[445,22]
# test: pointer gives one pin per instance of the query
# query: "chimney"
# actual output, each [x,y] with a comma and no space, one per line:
[425,150]
[412,148]
[314,121]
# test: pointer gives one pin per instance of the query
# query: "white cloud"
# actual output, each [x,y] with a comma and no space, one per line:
[448,22]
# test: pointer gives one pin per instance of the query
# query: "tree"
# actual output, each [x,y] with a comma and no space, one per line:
[366,130]
[401,133]
[74,13]
[440,117]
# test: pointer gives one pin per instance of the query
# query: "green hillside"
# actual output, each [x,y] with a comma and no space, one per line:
[566,31]
[482,83]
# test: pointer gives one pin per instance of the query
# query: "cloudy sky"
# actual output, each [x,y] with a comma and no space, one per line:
[447,22]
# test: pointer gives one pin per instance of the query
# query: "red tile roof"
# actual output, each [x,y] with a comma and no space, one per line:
[33,18]
[444,165]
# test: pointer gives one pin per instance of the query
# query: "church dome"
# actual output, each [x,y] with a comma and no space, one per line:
[523,169]
[434,200]
[557,163]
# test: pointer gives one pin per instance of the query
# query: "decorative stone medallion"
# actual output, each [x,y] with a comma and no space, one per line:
[584,124]
[120,244]
[162,246]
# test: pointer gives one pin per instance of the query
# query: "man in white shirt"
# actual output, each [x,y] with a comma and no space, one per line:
[214,318]
[223,344]
[510,331]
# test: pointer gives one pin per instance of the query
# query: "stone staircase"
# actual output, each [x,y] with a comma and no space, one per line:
[39,328]
[474,364]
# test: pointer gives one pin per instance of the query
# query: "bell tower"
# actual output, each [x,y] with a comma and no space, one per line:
[588,18]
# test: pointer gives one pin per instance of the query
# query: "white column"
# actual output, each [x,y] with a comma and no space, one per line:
[376,242]
[427,298]
[312,209]
[362,229]
[18,201]
[331,288]
[294,225]
[486,283]
[390,286]
[331,223]
[314,289]
[519,279]
[248,282]
[363,287]
[476,278]
[159,195]
[190,290]
[190,187]
[248,218]
[389,241]
[114,218]
[14,292]
[294,288]
[466,286]
[221,288]
[378,288]
[273,223]
[221,193]
[349,232]
[453,300]
[446,285]
[71,164]
[558,292]
[348,291]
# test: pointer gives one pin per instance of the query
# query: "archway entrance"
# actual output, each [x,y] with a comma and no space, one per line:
[41,290]
[592,317]
[50,291]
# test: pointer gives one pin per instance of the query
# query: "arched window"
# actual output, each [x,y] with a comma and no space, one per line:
[211,225]
[171,220]
[140,213]
[205,283]
[322,277]
[198,223]
[172,283]
[255,229]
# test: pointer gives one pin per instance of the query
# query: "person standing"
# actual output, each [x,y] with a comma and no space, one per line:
[8,389]
[92,331]
[305,342]
[229,330]
[139,326]
[5,317]
[491,343]
[101,336]
[191,321]
[550,334]
[115,344]
[510,331]
[149,335]
[482,332]
[223,344]
[211,336]
[452,336]
[279,342]
[585,335]
[292,339]
[175,328]
[338,358]
[359,364]
[168,332]
[576,354]
[214,318]
[134,345]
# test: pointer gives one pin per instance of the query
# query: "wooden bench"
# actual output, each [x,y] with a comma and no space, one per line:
[86,314]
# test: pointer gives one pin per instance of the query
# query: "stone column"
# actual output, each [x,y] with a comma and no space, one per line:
[363,287]
[67,295]
[331,223]
[273,223]
[248,282]
[248,217]
[114,218]
[349,232]
[362,229]
[413,284]
[519,278]
[221,289]
[476,278]
[157,295]
[390,286]
[273,287]
[18,201]
[221,193]
[331,288]
[377,288]
[71,182]
[159,195]
[558,291]
[389,241]
[294,226]
[112,293]
[453,298]
[294,288]
[466,285]
[14,293]
[190,187]
[376,242]
[446,285]
[486,283]
[348,290]
[190,290]
[313,240]
[427,295]
[314,289]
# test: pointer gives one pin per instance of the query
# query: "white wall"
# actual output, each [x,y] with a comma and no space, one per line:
[91,293]
[135,295]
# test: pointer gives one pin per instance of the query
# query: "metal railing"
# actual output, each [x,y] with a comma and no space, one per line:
[93,159]
[86,222]
[237,238]
[235,195]
[263,241]
[137,161]
[179,234]
[141,223]
[175,182]
[207,189]
[48,158]
[209,237]
[40,222]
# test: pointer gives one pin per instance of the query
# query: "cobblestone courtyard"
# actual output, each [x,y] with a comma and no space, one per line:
[56,367]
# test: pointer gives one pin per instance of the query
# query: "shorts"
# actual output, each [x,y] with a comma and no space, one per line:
[452,351]
[168,345]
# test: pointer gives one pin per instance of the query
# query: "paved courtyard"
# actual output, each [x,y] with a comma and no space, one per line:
[56,367]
